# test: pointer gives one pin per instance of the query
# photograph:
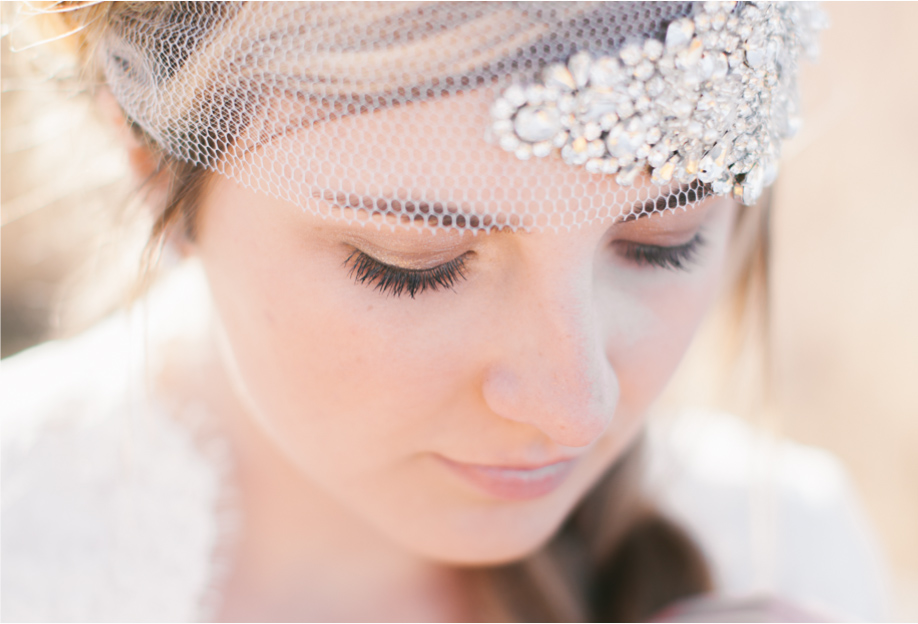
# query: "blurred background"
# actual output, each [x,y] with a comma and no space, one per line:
[844,274]
[845,270]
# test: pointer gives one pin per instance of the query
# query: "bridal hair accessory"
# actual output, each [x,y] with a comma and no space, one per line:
[711,102]
[382,113]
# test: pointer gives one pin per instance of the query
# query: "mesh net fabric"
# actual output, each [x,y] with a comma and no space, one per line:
[377,113]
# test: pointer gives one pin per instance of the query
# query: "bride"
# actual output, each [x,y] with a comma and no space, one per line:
[440,262]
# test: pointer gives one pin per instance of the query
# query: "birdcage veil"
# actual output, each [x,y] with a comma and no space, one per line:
[468,115]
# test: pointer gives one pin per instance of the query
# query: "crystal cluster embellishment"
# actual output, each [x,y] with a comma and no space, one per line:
[711,102]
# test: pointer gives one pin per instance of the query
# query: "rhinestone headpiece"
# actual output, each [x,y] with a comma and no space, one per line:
[371,113]
[710,103]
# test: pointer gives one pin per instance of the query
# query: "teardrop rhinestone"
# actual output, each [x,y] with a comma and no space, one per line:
[537,123]
[579,66]
[558,76]
[678,34]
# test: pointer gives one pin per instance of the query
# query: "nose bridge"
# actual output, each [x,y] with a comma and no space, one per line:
[550,370]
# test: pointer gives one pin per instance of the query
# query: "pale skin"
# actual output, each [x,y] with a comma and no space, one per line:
[342,401]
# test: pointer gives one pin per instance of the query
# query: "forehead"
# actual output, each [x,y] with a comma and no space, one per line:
[433,154]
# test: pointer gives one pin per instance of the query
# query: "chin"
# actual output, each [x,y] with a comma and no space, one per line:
[473,552]
[485,539]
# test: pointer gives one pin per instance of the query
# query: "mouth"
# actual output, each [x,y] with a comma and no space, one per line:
[513,482]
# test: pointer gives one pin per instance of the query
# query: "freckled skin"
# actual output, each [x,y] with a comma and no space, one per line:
[553,346]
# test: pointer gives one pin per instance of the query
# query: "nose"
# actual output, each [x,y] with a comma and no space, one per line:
[550,368]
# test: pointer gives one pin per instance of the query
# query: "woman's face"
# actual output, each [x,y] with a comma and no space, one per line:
[467,421]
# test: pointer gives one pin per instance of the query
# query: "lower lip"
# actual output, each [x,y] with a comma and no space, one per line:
[513,483]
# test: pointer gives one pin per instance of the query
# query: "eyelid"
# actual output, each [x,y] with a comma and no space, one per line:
[662,238]
[398,261]
[674,225]
[413,259]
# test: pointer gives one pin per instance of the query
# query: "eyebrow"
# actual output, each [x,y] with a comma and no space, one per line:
[451,215]
[448,214]
[683,195]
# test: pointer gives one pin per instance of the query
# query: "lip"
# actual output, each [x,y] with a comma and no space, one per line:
[513,482]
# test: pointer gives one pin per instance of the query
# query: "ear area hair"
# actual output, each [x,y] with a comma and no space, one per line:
[170,189]
[141,156]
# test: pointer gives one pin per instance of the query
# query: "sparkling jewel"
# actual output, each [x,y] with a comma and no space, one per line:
[558,76]
[608,121]
[723,184]
[681,109]
[579,66]
[712,166]
[631,55]
[610,165]
[642,104]
[524,151]
[644,70]
[664,174]
[596,148]
[711,104]
[702,22]
[536,94]
[635,90]
[710,135]
[658,156]
[572,156]
[655,86]
[591,131]
[537,123]
[502,109]
[509,142]
[678,34]
[653,49]
[689,57]
[542,149]
[515,95]
[607,72]
[627,175]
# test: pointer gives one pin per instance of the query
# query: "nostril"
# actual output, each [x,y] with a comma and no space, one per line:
[580,429]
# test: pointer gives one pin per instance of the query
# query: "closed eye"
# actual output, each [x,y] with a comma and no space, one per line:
[396,281]
[675,257]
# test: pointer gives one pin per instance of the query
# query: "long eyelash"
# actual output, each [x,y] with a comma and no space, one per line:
[678,257]
[396,281]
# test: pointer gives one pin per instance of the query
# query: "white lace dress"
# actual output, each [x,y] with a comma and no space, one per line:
[111,511]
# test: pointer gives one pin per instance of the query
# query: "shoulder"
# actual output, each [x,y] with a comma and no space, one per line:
[773,516]
[108,506]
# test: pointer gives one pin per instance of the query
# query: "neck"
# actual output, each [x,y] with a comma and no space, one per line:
[300,555]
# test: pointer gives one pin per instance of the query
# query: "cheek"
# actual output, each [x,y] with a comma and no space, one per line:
[345,380]
[649,328]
